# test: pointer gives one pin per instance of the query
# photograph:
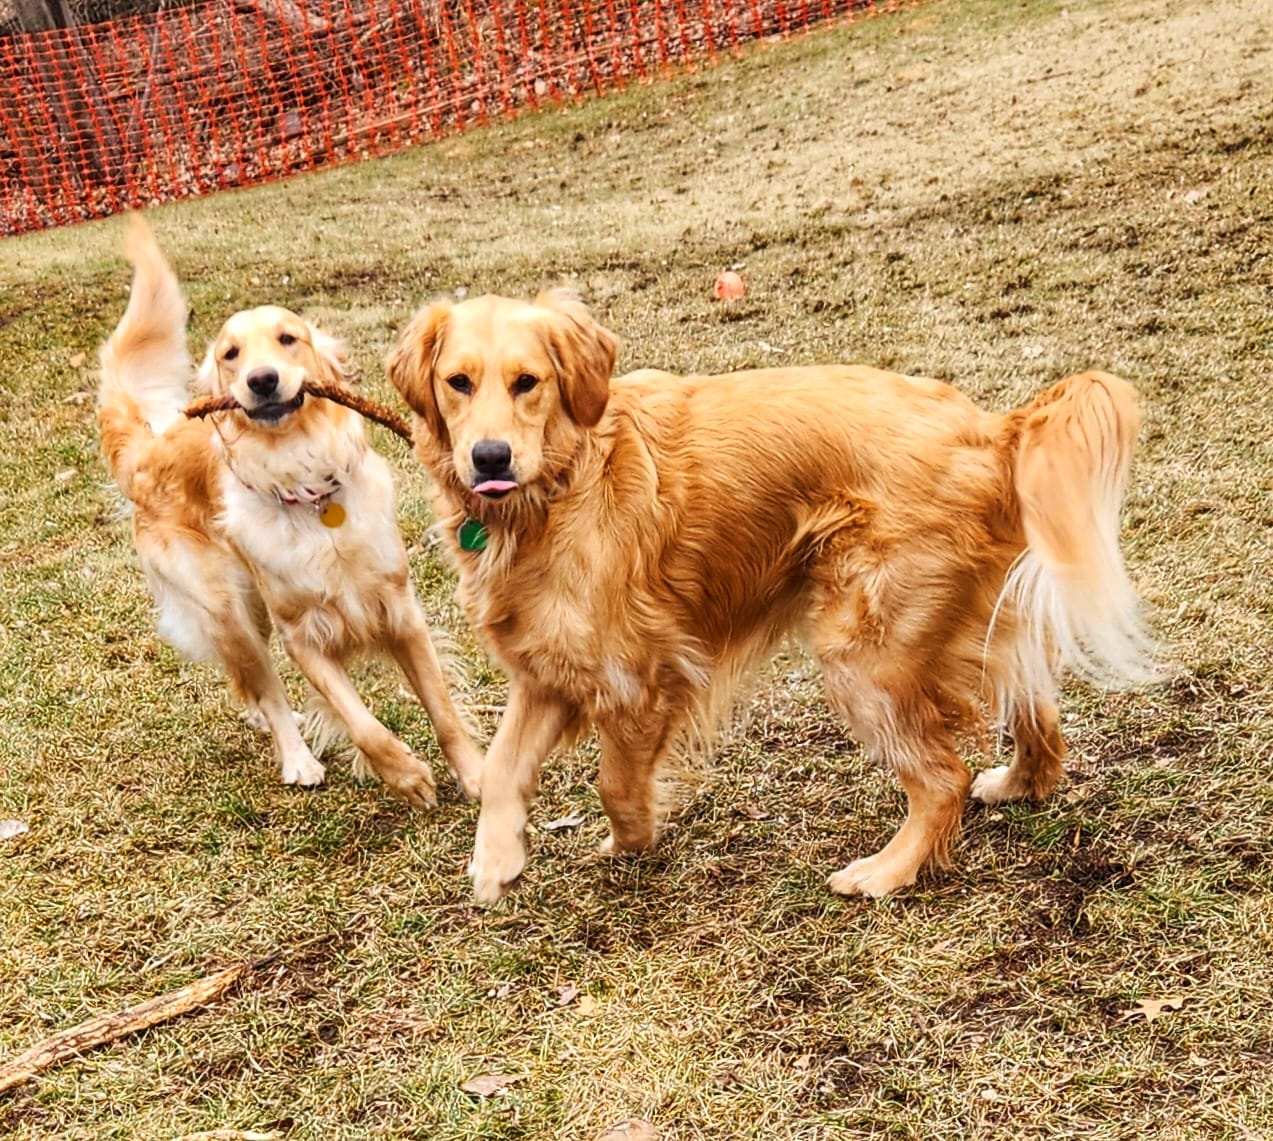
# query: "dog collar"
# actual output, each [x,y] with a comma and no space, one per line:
[330,513]
[308,501]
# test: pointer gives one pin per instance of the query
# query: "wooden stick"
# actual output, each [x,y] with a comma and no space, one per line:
[76,1040]
[206,405]
[380,413]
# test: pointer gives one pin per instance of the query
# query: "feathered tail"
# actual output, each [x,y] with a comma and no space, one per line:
[145,361]
[1075,606]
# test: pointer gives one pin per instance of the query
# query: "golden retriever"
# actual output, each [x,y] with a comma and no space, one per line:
[275,512]
[628,548]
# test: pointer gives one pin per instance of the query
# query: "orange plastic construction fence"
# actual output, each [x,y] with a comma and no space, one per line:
[107,117]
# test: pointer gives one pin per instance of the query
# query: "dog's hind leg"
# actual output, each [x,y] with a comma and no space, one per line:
[902,727]
[1037,762]
[225,620]
[631,750]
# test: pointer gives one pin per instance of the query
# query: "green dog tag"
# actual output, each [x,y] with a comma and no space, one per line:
[472,535]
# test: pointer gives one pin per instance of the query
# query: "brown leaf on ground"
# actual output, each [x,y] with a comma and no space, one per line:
[1151,1008]
[571,821]
[487,1085]
[567,994]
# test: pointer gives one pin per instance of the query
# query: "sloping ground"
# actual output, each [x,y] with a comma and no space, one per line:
[991,193]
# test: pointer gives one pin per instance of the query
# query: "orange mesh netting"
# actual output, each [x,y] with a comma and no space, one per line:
[100,118]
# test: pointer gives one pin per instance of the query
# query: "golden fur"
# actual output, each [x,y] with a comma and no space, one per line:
[651,537]
[229,524]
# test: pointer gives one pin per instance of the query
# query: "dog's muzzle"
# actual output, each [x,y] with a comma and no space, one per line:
[273,411]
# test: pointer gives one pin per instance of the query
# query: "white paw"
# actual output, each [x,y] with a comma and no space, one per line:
[871,877]
[495,866]
[303,769]
[991,786]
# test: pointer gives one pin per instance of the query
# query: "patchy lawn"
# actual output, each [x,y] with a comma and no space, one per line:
[994,193]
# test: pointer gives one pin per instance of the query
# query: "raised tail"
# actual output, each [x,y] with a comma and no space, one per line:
[145,361]
[1074,604]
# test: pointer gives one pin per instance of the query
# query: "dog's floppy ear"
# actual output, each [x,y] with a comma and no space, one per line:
[583,352]
[332,355]
[410,364]
[207,377]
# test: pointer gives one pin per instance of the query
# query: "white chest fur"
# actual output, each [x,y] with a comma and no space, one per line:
[331,577]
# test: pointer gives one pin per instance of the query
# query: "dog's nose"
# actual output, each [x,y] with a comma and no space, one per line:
[492,457]
[262,381]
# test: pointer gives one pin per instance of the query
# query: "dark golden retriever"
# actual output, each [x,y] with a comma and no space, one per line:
[628,548]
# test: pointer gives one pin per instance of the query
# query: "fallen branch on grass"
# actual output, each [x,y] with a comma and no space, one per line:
[77,1040]
[380,413]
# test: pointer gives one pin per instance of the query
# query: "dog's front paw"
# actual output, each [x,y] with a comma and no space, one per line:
[303,769]
[414,783]
[875,876]
[495,866]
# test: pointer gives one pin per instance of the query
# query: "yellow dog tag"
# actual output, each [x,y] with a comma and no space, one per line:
[332,515]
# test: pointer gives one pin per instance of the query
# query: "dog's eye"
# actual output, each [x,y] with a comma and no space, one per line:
[524,383]
[286,339]
[231,353]
[460,383]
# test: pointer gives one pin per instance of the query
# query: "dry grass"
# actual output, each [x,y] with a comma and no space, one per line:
[989,192]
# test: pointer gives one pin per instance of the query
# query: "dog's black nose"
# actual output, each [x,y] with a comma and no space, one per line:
[492,457]
[262,381]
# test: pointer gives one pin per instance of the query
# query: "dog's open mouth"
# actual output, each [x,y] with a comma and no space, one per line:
[274,411]
[494,488]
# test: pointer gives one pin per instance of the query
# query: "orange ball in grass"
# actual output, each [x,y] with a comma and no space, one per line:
[729,286]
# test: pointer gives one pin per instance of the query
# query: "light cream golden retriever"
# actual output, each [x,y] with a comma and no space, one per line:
[628,548]
[277,510]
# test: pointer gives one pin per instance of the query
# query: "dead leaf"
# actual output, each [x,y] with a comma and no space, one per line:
[754,812]
[1151,1008]
[634,1129]
[567,994]
[488,1085]
[11,828]
[571,821]
[586,1004]
[79,360]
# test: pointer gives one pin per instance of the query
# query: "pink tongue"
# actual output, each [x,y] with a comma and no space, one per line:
[495,485]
